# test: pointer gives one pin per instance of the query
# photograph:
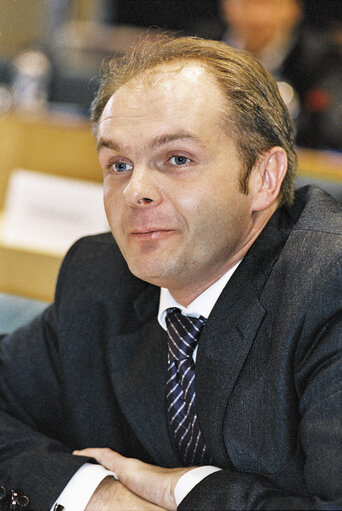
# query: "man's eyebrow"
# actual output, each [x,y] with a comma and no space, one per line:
[165,139]
[111,144]
[156,142]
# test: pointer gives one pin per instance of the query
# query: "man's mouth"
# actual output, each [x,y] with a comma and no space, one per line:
[153,233]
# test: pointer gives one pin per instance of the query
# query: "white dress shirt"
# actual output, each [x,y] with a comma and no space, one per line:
[82,485]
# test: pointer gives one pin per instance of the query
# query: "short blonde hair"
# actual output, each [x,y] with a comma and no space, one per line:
[256,116]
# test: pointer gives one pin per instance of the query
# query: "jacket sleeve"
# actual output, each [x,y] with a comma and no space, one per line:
[33,458]
[318,376]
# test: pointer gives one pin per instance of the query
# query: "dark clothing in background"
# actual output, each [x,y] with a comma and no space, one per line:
[183,14]
[91,371]
[314,68]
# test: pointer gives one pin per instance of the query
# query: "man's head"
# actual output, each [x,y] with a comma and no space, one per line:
[254,115]
[259,23]
[192,139]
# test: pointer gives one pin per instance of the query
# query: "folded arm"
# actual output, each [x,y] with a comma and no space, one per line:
[318,379]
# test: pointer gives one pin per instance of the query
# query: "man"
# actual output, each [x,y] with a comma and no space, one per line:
[238,405]
[299,56]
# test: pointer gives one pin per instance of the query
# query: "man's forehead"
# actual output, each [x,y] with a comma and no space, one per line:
[161,78]
[172,83]
[189,70]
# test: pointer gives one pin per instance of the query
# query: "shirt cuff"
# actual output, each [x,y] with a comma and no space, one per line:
[189,480]
[81,487]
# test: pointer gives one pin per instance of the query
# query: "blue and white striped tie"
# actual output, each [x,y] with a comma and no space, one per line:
[183,333]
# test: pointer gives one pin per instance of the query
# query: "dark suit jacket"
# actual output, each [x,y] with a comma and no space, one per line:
[91,371]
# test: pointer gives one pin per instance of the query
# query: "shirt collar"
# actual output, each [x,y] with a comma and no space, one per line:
[201,306]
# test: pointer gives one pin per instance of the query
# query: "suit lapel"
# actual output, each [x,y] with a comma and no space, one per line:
[138,372]
[230,331]
[224,345]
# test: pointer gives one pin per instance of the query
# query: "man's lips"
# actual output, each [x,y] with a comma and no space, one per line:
[151,233]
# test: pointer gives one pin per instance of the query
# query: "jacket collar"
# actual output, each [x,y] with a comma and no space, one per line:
[230,331]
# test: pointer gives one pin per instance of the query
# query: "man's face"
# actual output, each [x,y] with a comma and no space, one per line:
[171,179]
[261,22]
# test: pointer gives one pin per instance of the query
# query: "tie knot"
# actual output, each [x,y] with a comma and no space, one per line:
[183,332]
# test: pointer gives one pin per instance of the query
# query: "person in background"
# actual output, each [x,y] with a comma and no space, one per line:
[195,352]
[299,56]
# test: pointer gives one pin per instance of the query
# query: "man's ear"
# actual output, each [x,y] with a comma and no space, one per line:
[267,177]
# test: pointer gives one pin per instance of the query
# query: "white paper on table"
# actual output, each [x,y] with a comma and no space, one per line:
[48,212]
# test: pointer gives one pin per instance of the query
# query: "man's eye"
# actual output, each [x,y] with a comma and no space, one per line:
[179,160]
[121,166]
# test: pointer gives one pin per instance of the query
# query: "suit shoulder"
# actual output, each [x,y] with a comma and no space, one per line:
[102,244]
[101,239]
[94,252]
[94,265]
[314,246]
[319,212]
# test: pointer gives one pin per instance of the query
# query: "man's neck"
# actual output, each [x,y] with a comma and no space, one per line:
[186,297]
[187,293]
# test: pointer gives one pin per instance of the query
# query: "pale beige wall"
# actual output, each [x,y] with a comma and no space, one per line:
[23,22]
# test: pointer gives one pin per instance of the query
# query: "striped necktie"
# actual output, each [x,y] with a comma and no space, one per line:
[183,333]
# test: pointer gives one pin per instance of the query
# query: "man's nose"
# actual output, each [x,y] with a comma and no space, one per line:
[142,190]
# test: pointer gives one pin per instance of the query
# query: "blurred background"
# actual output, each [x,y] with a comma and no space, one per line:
[50,55]
[60,44]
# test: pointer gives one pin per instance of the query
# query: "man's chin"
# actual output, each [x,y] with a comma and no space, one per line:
[153,275]
[143,272]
